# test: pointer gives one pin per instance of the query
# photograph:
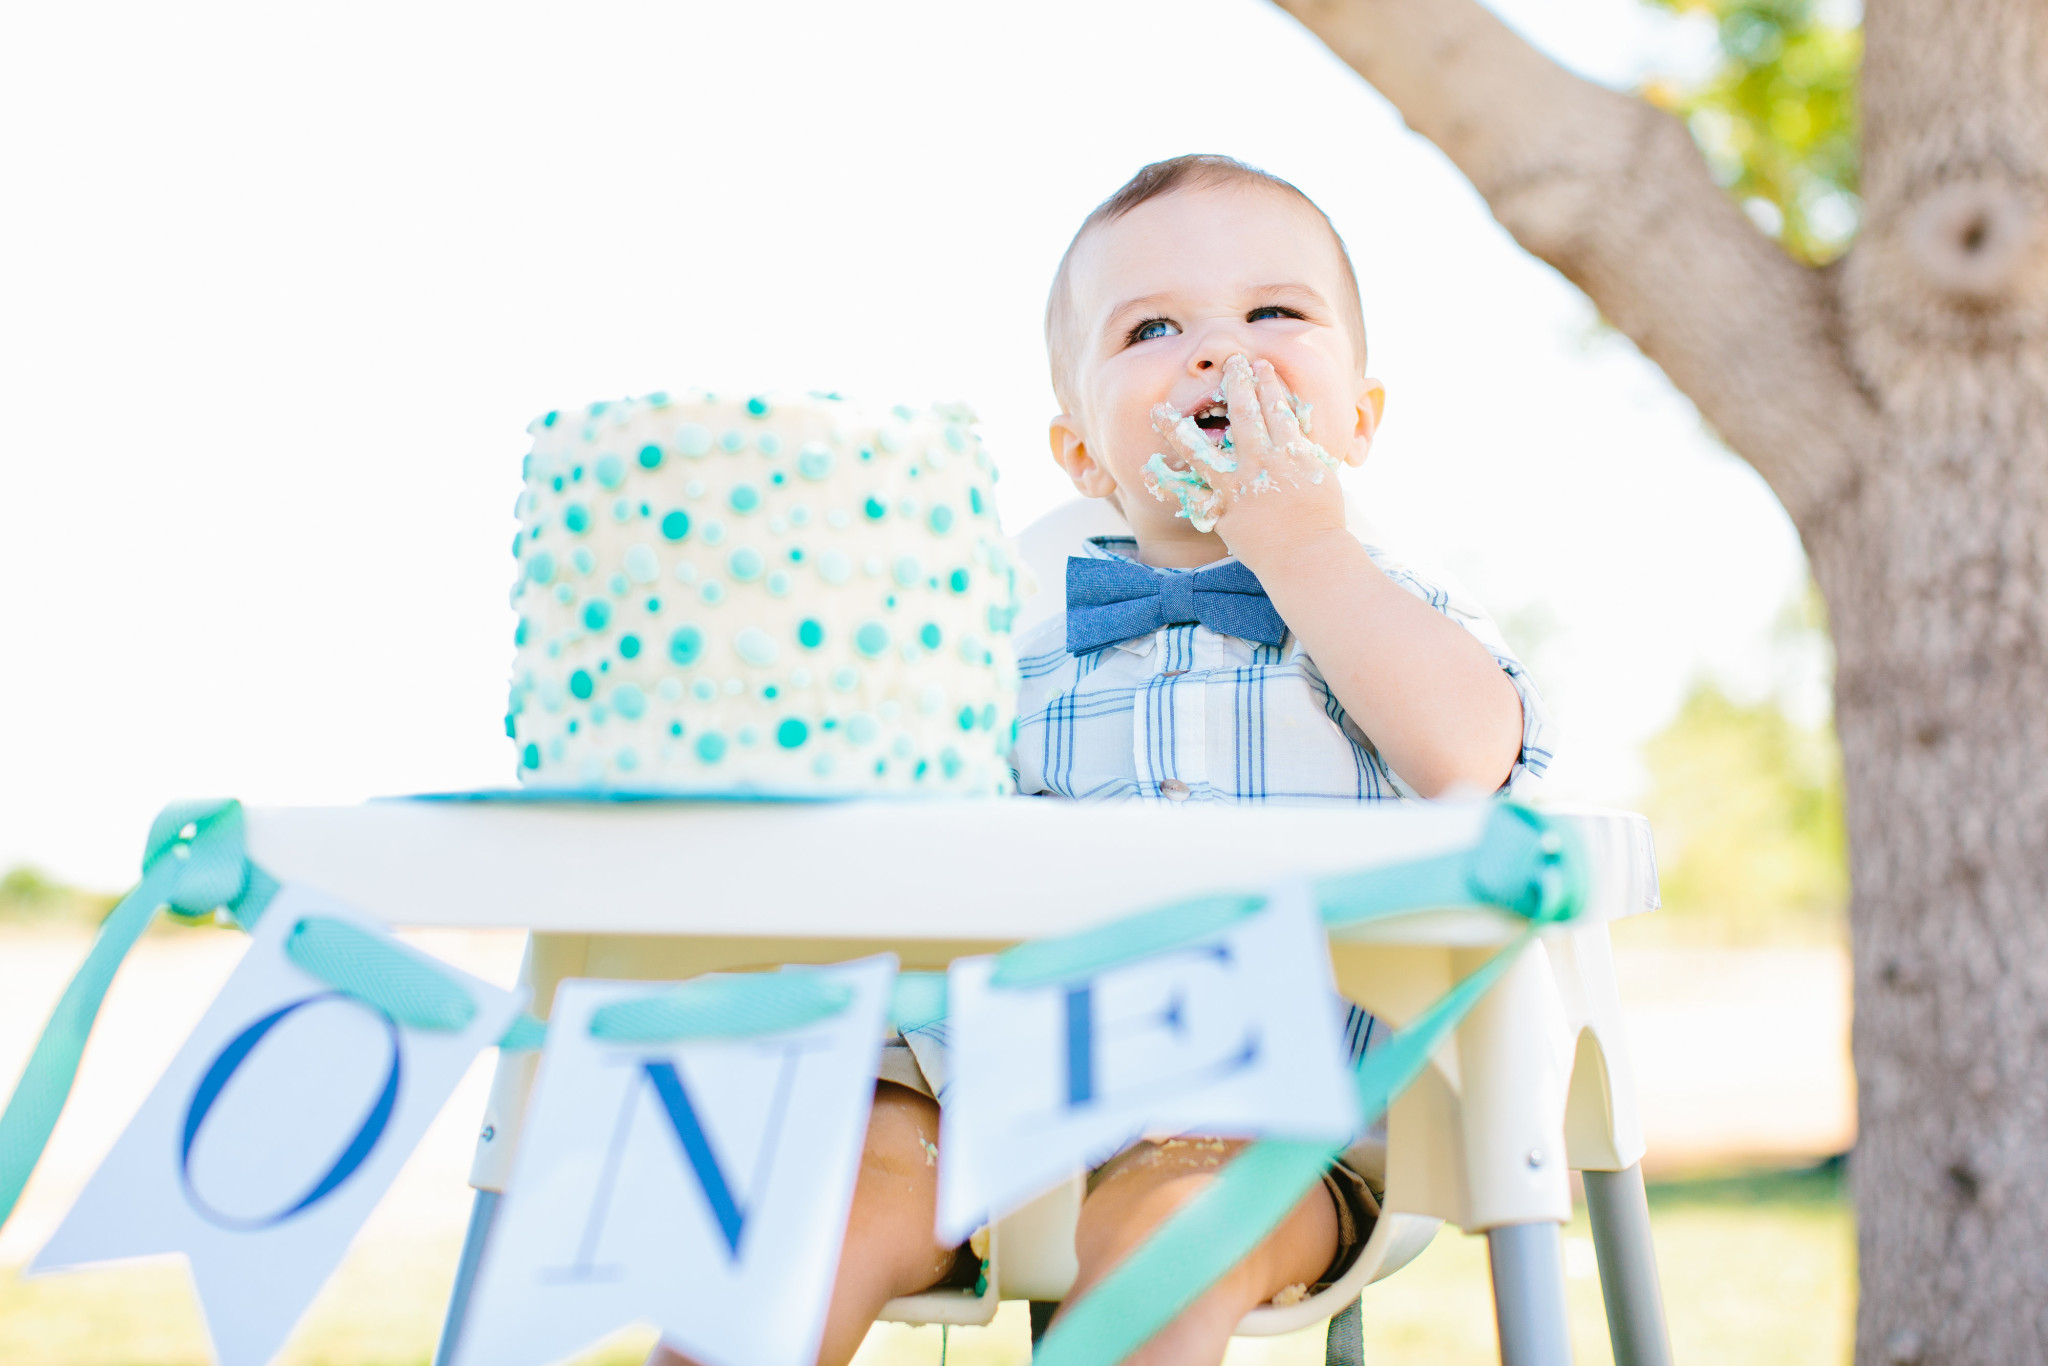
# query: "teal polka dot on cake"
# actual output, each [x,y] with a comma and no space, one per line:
[642,566]
[814,462]
[988,716]
[597,614]
[519,632]
[956,436]
[957,581]
[974,503]
[626,759]
[769,444]
[907,570]
[703,690]
[676,525]
[611,471]
[743,498]
[629,701]
[711,747]
[582,559]
[541,567]
[757,407]
[755,646]
[929,635]
[846,679]
[650,457]
[580,685]
[686,645]
[941,519]
[629,647]
[875,508]
[966,718]
[733,442]
[790,734]
[530,757]
[835,566]
[745,564]
[692,439]
[810,633]
[872,639]
[712,591]
[779,584]
[861,728]
[576,517]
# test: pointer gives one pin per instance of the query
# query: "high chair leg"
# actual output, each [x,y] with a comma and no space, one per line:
[1620,1212]
[481,1213]
[1528,1294]
[1344,1344]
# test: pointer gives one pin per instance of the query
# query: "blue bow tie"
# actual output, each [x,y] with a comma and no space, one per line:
[1114,600]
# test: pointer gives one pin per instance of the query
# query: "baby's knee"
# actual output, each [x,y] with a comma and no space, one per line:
[903,1135]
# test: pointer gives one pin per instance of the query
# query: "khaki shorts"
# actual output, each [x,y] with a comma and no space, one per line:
[1352,1193]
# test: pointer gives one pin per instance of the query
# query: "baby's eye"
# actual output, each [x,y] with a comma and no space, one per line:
[1152,329]
[1270,311]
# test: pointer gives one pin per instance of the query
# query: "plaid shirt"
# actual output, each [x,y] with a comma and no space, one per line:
[1190,714]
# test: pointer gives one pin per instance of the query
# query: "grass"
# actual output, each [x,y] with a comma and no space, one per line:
[1757,1267]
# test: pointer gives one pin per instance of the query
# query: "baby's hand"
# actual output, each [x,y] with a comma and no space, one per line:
[1267,453]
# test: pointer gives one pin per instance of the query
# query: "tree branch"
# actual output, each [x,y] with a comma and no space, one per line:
[1611,192]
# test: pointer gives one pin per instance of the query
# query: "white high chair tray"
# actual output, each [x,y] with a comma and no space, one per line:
[998,871]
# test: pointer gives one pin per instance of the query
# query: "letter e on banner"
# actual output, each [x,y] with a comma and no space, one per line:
[1229,1034]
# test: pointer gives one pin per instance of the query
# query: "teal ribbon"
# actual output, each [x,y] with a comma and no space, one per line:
[193,866]
[196,864]
[1522,864]
[726,1006]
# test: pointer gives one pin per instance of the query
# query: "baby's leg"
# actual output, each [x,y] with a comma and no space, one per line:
[889,1249]
[1137,1194]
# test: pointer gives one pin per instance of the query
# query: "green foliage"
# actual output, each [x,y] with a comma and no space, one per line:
[1777,120]
[1747,809]
[29,898]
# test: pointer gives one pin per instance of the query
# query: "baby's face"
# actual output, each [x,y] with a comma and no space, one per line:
[1164,295]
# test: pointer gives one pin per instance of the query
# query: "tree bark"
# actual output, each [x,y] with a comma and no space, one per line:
[1898,404]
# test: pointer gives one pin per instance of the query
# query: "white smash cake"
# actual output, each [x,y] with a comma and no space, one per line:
[770,595]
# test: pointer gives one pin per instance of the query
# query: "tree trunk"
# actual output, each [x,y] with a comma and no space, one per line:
[1898,403]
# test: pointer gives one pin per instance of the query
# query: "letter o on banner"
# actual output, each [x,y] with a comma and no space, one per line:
[223,1069]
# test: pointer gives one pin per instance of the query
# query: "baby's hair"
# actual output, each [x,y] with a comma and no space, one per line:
[1162,178]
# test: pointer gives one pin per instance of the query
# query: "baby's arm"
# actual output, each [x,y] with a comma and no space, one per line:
[1425,690]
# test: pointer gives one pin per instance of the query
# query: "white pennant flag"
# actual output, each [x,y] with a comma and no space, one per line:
[701,1186]
[1231,1034]
[273,1133]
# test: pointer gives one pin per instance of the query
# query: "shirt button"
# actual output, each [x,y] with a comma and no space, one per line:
[1174,789]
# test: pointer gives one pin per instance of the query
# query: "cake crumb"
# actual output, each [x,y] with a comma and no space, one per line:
[1293,1294]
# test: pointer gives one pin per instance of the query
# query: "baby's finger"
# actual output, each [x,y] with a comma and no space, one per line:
[1241,396]
[1277,406]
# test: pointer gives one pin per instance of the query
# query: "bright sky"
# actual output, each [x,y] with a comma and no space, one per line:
[283,285]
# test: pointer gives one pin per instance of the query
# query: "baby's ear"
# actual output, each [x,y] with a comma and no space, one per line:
[1370,406]
[1070,452]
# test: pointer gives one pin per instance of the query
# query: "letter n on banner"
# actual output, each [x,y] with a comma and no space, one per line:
[701,1186]
[272,1134]
[1231,1033]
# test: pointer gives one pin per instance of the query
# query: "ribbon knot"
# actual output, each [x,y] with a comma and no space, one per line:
[1115,600]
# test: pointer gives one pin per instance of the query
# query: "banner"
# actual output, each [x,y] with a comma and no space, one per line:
[1228,1029]
[279,1124]
[692,1169]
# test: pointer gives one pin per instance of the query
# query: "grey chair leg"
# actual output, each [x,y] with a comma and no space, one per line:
[1528,1294]
[481,1212]
[1628,1267]
[1345,1345]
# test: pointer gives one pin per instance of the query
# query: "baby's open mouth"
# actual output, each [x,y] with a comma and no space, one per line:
[1214,418]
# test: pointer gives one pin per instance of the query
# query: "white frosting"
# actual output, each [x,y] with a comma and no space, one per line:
[770,595]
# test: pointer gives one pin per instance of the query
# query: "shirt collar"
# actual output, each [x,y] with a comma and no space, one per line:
[1124,547]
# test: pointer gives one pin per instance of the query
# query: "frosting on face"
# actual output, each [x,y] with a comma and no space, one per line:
[1201,502]
[781,595]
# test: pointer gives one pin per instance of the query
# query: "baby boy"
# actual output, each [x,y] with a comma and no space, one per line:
[1240,645]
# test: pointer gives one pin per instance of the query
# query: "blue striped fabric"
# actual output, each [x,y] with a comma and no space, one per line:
[1187,713]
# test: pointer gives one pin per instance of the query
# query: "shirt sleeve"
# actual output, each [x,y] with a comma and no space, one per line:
[1539,732]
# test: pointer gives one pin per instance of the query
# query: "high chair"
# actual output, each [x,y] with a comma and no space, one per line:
[1534,1083]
